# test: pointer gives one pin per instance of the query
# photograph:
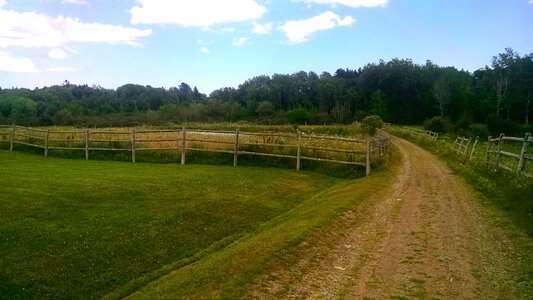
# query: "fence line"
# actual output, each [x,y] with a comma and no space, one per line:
[421,132]
[298,146]
[503,157]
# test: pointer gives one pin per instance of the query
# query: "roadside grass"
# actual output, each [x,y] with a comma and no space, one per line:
[230,272]
[84,229]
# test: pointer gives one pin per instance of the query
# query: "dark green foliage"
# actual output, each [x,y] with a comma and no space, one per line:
[480,130]
[438,124]
[371,123]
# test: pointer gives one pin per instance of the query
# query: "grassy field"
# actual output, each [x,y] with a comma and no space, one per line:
[87,229]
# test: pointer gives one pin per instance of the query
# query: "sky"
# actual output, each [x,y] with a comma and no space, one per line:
[214,44]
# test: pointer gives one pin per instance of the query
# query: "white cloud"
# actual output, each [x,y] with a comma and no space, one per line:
[8,63]
[78,2]
[262,29]
[60,70]
[204,50]
[299,31]
[351,3]
[530,2]
[195,13]
[239,42]
[57,53]
[34,30]
[2,3]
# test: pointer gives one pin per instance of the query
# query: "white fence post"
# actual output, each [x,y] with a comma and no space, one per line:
[12,138]
[183,143]
[236,149]
[523,153]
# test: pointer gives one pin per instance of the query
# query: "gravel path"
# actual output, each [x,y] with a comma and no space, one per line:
[425,237]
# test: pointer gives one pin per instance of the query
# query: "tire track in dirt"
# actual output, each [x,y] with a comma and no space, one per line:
[425,237]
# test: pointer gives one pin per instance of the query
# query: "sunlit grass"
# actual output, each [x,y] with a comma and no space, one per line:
[81,229]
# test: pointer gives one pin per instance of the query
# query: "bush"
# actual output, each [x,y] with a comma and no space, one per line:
[480,130]
[298,116]
[371,123]
[438,124]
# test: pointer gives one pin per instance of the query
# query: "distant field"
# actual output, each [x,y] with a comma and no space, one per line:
[80,229]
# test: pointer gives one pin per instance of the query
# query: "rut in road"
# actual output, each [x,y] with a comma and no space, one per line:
[425,237]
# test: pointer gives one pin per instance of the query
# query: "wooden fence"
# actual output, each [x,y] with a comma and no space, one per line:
[510,153]
[421,132]
[298,146]
[462,147]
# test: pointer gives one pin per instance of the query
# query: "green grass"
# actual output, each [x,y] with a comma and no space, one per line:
[82,229]
[88,229]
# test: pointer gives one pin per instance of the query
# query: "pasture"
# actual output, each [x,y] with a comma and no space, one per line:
[86,229]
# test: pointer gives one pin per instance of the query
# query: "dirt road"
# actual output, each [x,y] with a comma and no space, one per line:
[425,237]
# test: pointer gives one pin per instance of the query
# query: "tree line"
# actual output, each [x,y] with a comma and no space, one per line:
[399,91]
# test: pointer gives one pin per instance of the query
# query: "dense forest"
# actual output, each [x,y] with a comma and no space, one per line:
[399,91]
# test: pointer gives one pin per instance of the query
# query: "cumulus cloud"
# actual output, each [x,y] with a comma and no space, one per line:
[34,30]
[239,42]
[195,13]
[204,50]
[60,70]
[351,3]
[263,29]
[8,63]
[57,53]
[299,31]
[78,2]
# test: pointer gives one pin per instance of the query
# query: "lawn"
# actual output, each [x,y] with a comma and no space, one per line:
[90,229]
[83,229]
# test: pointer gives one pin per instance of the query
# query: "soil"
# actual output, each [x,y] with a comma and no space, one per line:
[427,237]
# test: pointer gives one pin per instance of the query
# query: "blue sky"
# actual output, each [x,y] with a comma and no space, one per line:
[212,44]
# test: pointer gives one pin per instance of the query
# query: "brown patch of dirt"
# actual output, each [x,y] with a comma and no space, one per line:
[425,237]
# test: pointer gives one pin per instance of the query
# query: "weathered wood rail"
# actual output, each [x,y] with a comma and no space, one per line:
[421,132]
[502,157]
[298,146]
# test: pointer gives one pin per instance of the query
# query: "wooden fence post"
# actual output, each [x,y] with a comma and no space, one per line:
[298,151]
[46,143]
[498,155]
[473,148]
[523,153]
[183,143]
[368,150]
[86,144]
[236,149]
[488,151]
[133,145]
[12,138]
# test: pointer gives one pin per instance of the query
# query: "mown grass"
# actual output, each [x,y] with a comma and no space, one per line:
[87,229]
[229,273]
[83,229]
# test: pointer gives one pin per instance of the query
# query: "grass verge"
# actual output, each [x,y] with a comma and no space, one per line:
[83,229]
[229,272]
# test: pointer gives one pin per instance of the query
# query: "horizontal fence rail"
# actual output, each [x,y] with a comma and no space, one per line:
[298,146]
[511,154]
[421,132]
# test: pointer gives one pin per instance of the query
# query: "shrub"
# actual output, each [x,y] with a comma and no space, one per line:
[371,123]
[480,130]
[438,124]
